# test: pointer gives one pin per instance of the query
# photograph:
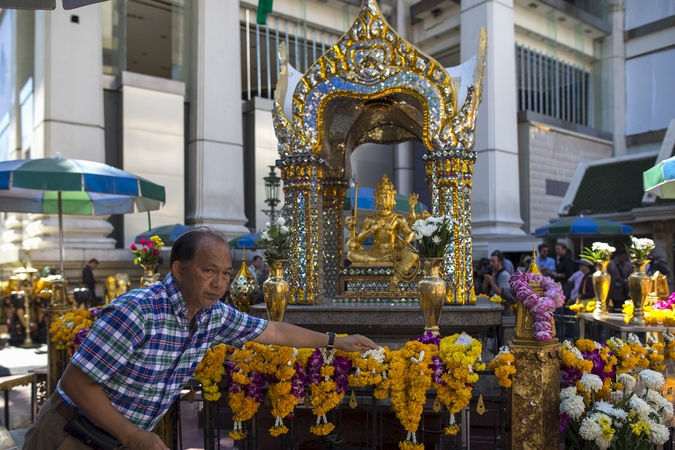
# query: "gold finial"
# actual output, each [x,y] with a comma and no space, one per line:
[533,265]
[385,185]
[243,256]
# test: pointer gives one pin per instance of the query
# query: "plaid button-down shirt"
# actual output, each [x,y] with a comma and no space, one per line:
[142,352]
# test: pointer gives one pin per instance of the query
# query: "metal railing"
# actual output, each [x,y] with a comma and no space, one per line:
[552,87]
[305,43]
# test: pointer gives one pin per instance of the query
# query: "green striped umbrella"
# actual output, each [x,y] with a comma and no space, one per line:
[71,186]
[660,179]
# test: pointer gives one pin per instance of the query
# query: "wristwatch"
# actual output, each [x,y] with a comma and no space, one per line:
[331,341]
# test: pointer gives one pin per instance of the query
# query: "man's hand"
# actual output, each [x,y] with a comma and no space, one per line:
[490,279]
[145,440]
[355,343]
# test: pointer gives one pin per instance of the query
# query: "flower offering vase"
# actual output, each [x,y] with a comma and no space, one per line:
[431,291]
[149,275]
[524,331]
[638,286]
[601,283]
[276,291]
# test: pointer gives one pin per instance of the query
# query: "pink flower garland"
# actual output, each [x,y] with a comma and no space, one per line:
[542,307]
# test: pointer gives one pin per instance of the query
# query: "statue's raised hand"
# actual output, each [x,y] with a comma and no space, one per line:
[412,200]
[350,222]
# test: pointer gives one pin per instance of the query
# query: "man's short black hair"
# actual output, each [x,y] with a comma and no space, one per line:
[541,247]
[93,260]
[499,255]
[562,244]
[185,247]
[257,257]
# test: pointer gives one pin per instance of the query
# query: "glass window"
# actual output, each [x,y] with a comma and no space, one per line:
[145,36]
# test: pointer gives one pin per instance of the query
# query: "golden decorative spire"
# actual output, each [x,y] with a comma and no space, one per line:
[533,265]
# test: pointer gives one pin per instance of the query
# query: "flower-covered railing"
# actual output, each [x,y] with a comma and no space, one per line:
[321,378]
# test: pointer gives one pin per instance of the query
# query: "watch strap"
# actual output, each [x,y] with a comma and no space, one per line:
[331,341]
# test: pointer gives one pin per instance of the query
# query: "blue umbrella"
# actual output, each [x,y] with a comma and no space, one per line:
[583,226]
[167,233]
[249,241]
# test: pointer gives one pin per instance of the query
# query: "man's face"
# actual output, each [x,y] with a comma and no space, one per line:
[559,250]
[543,253]
[494,262]
[622,258]
[257,263]
[93,265]
[205,279]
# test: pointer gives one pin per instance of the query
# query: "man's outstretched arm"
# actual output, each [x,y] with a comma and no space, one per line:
[280,333]
[94,403]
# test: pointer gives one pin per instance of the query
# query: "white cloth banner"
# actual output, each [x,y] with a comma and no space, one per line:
[650,92]
[642,12]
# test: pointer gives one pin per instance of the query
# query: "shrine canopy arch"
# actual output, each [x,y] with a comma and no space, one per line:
[372,86]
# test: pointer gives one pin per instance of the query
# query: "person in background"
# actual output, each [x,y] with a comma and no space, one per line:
[88,278]
[499,279]
[583,289]
[257,267]
[545,263]
[507,264]
[619,268]
[657,262]
[564,269]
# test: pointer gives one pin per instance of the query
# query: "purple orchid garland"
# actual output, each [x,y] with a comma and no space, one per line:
[542,307]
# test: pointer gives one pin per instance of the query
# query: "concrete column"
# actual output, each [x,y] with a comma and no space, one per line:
[495,197]
[153,121]
[215,160]
[614,68]
[68,113]
[404,156]
[404,168]
[69,84]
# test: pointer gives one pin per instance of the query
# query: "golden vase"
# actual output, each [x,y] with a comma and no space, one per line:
[524,332]
[276,291]
[431,291]
[638,286]
[601,283]
[149,276]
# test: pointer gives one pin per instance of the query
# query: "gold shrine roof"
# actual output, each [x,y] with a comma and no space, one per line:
[374,86]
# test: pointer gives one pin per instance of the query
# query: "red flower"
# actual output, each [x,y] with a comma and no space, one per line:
[133,246]
[143,241]
[151,244]
[155,252]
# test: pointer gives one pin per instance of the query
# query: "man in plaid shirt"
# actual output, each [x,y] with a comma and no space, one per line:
[147,343]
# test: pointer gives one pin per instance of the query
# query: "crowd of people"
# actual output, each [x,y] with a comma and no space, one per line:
[491,276]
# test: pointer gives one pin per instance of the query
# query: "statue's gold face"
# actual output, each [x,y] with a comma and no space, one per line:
[385,201]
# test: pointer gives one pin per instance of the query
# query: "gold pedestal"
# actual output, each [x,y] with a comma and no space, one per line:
[535,396]
[57,359]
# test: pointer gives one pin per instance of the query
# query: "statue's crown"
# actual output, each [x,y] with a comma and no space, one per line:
[385,185]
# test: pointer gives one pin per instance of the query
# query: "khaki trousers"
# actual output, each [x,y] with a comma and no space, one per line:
[46,432]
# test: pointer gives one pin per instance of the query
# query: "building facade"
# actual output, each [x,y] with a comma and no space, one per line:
[180,92]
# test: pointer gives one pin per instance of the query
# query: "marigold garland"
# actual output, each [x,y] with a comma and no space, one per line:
[71,328]
[210,370]
[503,367]
[460,353]
[410,374]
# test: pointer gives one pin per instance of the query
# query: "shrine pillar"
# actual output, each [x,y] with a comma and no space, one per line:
[303,202]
